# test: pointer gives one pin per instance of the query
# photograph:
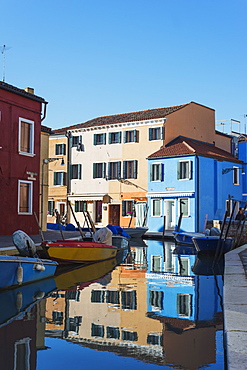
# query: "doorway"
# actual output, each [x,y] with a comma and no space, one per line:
[114,214]
[170,214]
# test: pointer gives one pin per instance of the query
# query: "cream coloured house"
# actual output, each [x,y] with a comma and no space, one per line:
[108,174]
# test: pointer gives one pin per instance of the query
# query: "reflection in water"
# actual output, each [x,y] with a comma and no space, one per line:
[161,305]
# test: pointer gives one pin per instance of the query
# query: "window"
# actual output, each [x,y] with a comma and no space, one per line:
[75,171]
[236,175]
[156,207]
[51,207]
[60,149]
[97,296]
[156,300]
[130,169]
[22,354]
[129,335]
[184,305]
[99,139]
[80,206]
[99,170]
[114,170]
[25,194]
[97,330]
[156,263]
[112,332]
[112,297]
[128,208]
[57,317]
[74,323]
[128,299]
[115,137]
[131,136]
[156,172]
[60,178]
[154,339]
[155,133]
[184,206]
[75,140]
[26,136]
[184,170]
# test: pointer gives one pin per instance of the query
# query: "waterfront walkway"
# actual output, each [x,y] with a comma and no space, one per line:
[235,294]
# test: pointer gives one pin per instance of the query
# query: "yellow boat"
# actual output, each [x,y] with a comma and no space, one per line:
[74,251]
[82,275]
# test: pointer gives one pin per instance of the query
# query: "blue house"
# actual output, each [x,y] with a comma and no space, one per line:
[194,178]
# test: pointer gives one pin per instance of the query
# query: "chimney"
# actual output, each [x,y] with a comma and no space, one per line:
[30,90]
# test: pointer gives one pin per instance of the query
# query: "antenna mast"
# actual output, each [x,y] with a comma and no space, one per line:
[4,48]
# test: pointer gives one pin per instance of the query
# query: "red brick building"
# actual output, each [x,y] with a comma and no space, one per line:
[21,114]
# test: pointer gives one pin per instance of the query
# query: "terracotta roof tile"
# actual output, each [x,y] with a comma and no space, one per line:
[16,90]
[185,146]
[143,115]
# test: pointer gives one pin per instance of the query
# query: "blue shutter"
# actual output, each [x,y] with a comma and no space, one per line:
[190,170]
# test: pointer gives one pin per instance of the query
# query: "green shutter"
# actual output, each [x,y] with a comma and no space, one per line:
[150,134]
[104,138]
[79,171]
[94,170]
[120,137]
[109,138]
[124,169]
[124,136]
[95,139]
[119,169]
[123,208]
[104,171]
[135,169]
[55,178]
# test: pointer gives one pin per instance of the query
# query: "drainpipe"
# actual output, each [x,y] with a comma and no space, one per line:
[197,195]
[44,115]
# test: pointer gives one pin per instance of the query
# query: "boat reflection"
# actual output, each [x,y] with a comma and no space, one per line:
[153,307]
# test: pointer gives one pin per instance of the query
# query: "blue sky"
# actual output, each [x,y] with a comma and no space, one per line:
[91,58]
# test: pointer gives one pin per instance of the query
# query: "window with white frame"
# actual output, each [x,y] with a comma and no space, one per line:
[128,208]
[184,304]
[22,354]
[60,178]
[99,170]
[156,172]
[155,133]
[115,137]
[156,300]
[236,175]
[75,171]
[26,136]
[60,149]
[114,170]
[25,195]
[99,139]
[131,136]
[156,207]
[156,263]
[80,206]
[184,206]
[130,169]
[184,170]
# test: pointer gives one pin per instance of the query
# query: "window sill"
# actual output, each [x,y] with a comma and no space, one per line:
[27,154]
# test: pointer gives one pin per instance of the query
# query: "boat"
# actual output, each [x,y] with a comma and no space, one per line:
[20,270]
[76,251]
[183,237]
[135,232]
[16,302]
[212,243]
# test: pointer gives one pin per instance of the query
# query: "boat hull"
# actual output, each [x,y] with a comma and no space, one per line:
[79,251]
[17,270]
[211,243]
[135,232]
[185,237]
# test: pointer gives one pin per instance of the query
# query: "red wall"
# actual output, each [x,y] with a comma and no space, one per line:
[13,166]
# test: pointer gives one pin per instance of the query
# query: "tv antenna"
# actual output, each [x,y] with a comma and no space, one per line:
[4,49]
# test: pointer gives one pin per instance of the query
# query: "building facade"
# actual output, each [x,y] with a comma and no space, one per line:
[21,113]
[108,167]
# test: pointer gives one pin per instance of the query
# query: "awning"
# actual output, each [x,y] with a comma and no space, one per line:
[89,197]
[172,194]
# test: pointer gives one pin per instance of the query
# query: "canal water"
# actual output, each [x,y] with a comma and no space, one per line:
[159,306]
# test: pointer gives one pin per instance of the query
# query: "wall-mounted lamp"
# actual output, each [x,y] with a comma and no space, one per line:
[226,170]
[48,160]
